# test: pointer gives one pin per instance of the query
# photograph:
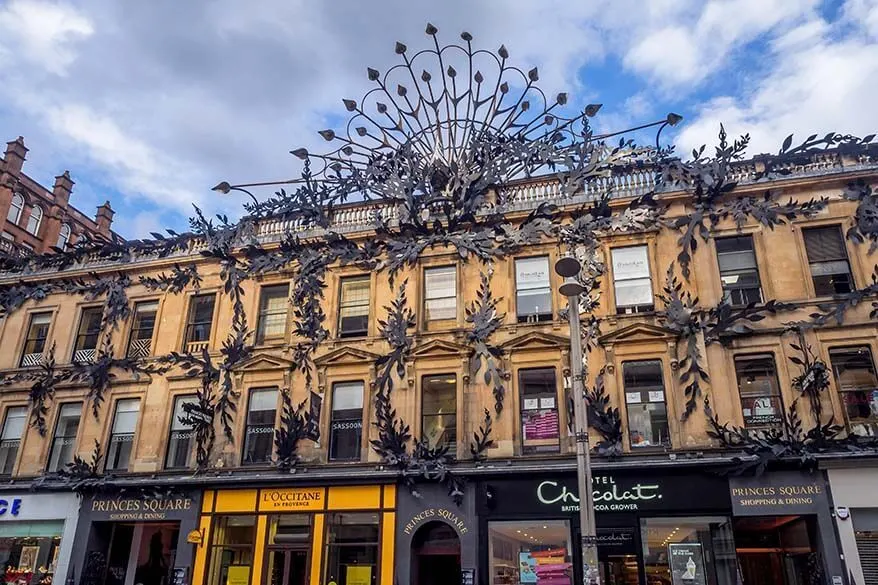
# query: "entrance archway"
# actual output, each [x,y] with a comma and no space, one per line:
[435,555]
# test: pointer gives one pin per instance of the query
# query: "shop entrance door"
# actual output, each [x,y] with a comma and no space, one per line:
[436,555]
[287,566]
[777,550]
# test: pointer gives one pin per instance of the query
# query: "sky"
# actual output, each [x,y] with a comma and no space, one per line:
[150,104]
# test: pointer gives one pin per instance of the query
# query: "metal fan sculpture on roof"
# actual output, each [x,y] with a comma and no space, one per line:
[443,129]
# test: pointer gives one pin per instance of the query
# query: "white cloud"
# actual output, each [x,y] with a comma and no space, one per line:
[43,33]
[821,80]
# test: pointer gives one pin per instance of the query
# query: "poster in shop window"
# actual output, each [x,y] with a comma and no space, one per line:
[687,564]
[358,575]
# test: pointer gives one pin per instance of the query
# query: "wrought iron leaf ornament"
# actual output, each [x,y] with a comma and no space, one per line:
[604,418]
[485,320]
[295,425]
[482,440]
[814,379]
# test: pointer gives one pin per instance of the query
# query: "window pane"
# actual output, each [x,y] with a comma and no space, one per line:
[176,424]
[125,420]
[202,309]
[438,309]
[289,529]
[231,556]
[182,437]
[440,282]
[89,328]
[347,396]
[13,427]
[144,319]
[439,405]
[631,293]
[645,402]
[630,262]
[64,441]
[534,302]
[530,552]
[706,545]
[540,429]
[531,273]
[68,420]
[273,312]
[354,305]
[824,244]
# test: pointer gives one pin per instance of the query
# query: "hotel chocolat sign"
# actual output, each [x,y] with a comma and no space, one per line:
[125,509]
[612,493]
[777,493]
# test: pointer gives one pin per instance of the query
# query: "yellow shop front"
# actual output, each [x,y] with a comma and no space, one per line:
[336,535]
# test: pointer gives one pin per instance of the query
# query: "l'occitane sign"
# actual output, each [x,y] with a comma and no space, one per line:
[291,500]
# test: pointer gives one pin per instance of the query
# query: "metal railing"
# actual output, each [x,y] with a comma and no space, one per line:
[30,360]
[139,348]
[196,346]
[85,356]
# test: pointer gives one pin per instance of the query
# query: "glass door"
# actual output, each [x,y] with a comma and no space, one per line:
[287,567]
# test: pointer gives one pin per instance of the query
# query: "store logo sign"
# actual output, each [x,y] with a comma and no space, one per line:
[12,508]
[607,495]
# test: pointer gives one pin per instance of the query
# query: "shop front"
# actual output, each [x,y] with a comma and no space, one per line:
[783,529]
[340,535]
[649,527]
[36,536]
[855,497]
[436,541]
[126,539]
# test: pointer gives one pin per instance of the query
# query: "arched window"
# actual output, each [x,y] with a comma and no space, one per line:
[63,236]
[15,208]
[36,217]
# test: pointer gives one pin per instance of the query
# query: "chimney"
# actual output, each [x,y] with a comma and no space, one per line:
[104,218]
[62,189]
[16,152]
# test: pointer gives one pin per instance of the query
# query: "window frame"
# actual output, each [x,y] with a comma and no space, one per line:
[35,212]
[55,436]
[215,519]
[625,391]
[752,356]
[191,325]
[14,460]
[542,317]
[863,345]
[633,309]
[427,298]
[28,339]
[81,337]
[837,227]
[332,420]
[190,455]
[341,305]
[728,292]
[247,425]
[113,434]
[452,444]
[19,208]
[327,545]
[264,312]
[538,448]
[135,329]
[64,233]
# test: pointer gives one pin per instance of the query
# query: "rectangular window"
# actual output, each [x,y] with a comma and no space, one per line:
[142,328]
[738,271]
[85,348]
[535,551]
[439,405]
[122,434]
[231,550]
[35,343]
[440,293]
[645,401]
[828,258]
[10,441]
[64,439]
[533,293]
[259,432]
[272,325]
[346,426]
[857,383]
[200,321]
[700,549]
[181,451]
[353,312]
[761,402]
[352,548]
[631,280]
[539,411]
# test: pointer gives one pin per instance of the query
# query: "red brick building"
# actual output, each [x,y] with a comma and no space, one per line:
[37,218]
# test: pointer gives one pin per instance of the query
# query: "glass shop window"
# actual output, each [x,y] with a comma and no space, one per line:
[530,552]
[645,401]
[689,550]
[761,402]
[539,410]
[29,552]
[231,551]
[533,295]
[352,547]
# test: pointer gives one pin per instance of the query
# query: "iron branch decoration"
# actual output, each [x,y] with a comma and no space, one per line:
[435,150]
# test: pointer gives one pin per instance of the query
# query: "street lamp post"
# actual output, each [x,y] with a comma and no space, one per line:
[569,267]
